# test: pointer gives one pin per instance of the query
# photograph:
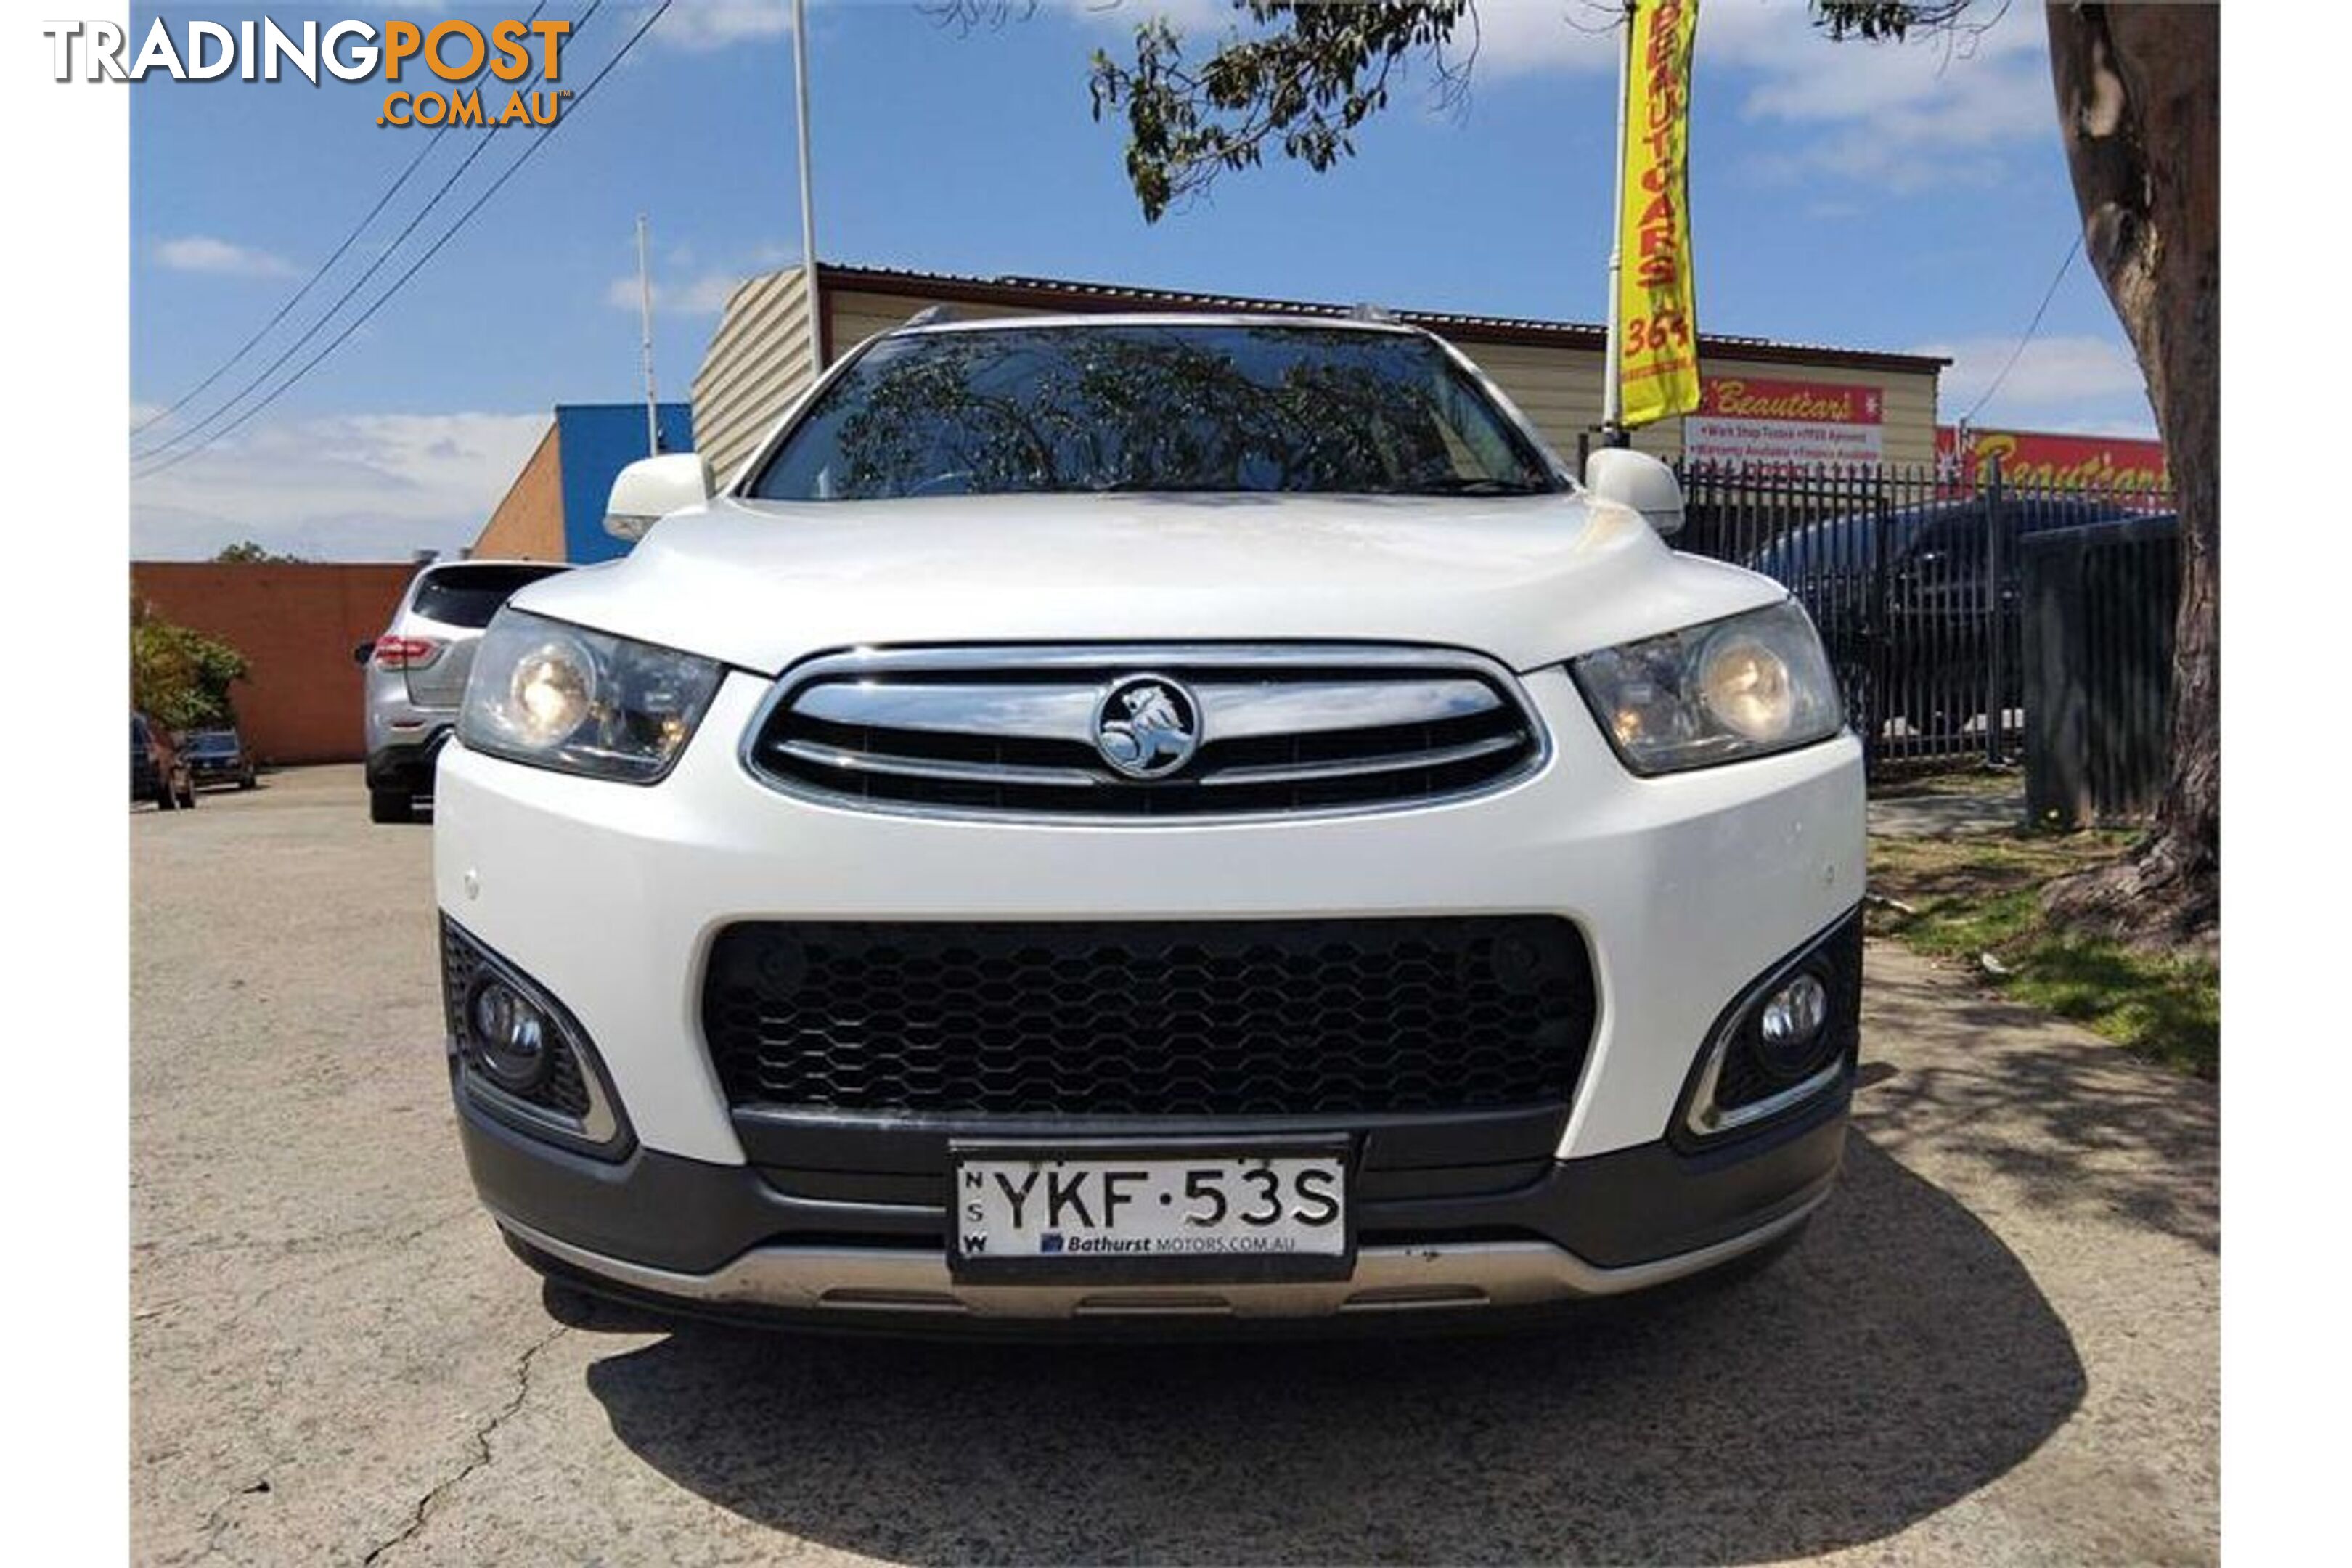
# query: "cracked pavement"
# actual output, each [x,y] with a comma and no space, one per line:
[1998,1342]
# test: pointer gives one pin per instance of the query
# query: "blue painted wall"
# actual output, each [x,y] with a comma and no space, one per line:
[594,441]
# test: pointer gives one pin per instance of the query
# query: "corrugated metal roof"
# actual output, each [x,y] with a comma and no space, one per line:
[1071,294]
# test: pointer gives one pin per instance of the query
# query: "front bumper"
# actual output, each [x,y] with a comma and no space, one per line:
[1685,888]
[721,1240]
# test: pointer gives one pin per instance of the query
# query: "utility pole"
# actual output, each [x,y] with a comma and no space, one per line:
[809,300]
[1612,376]
[646,323]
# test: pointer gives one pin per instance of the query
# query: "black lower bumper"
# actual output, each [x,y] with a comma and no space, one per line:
[1629,1206]
[824,1195]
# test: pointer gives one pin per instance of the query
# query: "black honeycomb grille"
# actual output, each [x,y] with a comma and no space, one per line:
[1226,1018]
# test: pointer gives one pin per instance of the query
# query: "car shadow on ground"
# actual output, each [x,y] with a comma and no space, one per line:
[1894,1361]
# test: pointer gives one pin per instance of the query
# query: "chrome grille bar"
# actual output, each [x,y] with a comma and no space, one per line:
[923,768]
[1272,730]
[1062,712]
[1395,762]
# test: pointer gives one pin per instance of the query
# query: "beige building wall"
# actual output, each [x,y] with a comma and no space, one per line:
[1553,373]
[756,366]
[855,315]
[529,522]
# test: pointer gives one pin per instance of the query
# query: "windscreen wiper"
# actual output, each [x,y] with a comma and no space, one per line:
[1473,485]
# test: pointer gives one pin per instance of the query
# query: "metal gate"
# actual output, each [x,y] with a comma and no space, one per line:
[1913,577]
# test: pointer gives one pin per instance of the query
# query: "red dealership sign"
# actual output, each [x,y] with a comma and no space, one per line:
[2038,459]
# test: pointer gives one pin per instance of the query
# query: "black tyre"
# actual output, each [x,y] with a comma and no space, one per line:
[248,782]
[391,805]
[164,799]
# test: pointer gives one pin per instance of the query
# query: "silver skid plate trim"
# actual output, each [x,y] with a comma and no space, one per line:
[1387,1280]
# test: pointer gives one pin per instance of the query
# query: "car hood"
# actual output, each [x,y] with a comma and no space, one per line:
[1529,581]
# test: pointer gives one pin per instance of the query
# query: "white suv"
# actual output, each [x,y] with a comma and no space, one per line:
[1126,815]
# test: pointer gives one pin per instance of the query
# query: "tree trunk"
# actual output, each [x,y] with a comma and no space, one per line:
[2139,109]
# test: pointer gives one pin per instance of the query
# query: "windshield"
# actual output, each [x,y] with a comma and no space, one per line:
[1030,410]
[470,595]
[216,744]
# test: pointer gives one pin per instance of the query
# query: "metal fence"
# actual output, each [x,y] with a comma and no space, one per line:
[2098,611]
[1914,576]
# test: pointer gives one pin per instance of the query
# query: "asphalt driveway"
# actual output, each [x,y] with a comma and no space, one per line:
[1999,1341]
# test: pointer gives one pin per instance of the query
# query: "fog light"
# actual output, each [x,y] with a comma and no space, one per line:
[508,1036]
[1792,1019]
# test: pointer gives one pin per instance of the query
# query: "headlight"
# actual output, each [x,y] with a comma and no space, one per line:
[1742,686]
[581,701]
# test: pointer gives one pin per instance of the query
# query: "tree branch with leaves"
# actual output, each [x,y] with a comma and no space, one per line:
[1305,86]
[179,677]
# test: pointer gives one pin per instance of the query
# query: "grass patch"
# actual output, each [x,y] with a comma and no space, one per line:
[1898,778]
[1982,894]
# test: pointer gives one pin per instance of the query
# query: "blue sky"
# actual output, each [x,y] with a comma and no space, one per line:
[1909,198]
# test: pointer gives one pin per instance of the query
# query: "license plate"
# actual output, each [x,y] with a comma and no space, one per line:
[1135,1213]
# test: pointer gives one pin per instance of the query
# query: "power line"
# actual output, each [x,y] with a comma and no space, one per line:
[448,234]
[481,145]
[2031,328]
[312,281]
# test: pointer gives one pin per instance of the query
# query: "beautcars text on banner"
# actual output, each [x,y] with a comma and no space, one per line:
[2056,460]
[1763,423]
[1657,347]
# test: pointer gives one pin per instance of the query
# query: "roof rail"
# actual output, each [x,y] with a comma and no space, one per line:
[930,315]
[1368,311]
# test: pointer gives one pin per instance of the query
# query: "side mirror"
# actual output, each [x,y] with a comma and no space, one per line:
[364,652]
[1639,481]
[651,489]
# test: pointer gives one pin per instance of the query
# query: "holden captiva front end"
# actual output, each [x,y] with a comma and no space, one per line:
[1149,818]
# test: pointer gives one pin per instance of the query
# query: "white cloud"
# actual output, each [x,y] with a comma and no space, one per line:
[1937,110]
[353,486]
[2049,371]
[1190,16]
[1911,116]
[1521,35]
[681,289]
[704,25]
[2086,383]
[202,253]
[2140,429]
[704,294]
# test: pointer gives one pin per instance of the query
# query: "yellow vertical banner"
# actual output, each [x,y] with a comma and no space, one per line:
[1657,305]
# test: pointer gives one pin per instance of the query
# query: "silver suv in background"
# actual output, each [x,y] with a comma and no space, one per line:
[416,672]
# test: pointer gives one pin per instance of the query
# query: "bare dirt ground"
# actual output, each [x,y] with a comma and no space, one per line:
[1997,1343]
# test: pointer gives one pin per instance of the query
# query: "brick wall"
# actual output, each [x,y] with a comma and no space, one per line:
[529,522]
[296,626]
